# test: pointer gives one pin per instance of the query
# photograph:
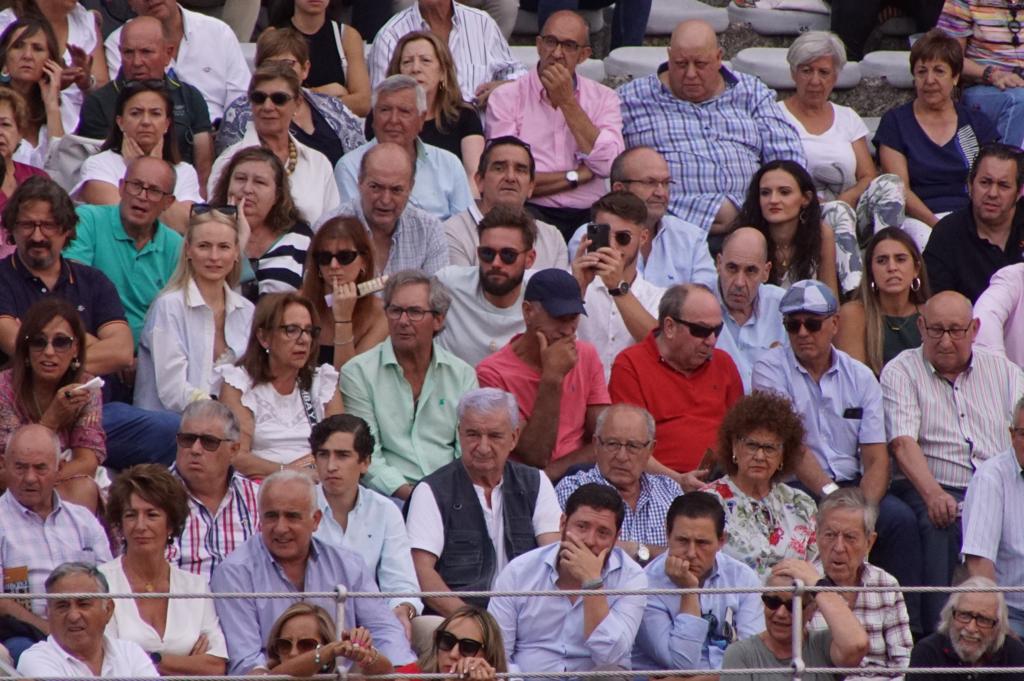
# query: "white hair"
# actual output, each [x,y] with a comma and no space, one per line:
[628,408]
[489,400]
[397,83]
[19,433]
[1002,627]
[814,45]
[288,475]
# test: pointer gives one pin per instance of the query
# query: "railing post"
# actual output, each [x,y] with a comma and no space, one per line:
[797,614]
[340,596]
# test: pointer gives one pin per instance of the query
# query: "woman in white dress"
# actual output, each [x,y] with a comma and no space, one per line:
[275,389]
[148,507]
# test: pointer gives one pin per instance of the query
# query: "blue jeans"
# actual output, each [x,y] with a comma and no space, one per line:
[1016,621]
[16,645]
[629,24]
[940,550]
[138,436]
[1005,108]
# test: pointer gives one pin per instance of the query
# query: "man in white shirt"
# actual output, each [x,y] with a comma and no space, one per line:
[77,645]
[467,519]
[487,299]
[206,52]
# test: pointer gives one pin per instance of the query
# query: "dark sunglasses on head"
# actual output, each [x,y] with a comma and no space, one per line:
[209,442]
[812,324]
[258,97]
[699,330]
[507,255]
[60,342]
[283,646]
[346,257]
[774,602]
[446,641]
[204,208]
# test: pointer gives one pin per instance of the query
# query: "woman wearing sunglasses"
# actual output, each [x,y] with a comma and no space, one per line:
[760,443]
[148,508]
[275,389]
[40,387]
[302,642]
[274,95]
[198,322]
[340,258]
[467,643]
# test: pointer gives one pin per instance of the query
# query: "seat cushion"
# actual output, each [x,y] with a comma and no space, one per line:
[666,15]
[892,65]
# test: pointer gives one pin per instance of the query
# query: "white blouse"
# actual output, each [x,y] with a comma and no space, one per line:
[109,166]
[178,338]
[186,618]
[280,425]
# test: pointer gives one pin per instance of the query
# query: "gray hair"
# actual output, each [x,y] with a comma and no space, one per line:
[673,299]
[289,475]
[397,83]
[1002,627]
[814,45]
[489,400]
[849,499]
[212,409]
[166,165]
[631,408]
[618,170]
[19,433]
[1017,409]
[439,299]
[76,568]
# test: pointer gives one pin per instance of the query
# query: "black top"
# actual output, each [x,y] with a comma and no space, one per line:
[959,260]
[325,56]
[323,138]
[899,334]
[468,124]
[936,650]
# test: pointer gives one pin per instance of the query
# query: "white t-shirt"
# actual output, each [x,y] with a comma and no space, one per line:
[473,327]
[603,325]
[109,166]
[426,529]
[47,659]
[830,158]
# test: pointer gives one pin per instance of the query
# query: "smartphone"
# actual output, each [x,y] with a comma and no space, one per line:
[598,233]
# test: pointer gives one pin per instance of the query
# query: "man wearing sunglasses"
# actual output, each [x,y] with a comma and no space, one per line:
[621,305]
[487,298]
[840,402]
[682,379]
[945,412]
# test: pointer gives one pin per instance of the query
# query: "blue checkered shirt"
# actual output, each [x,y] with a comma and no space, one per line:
[713,148]
[647,523]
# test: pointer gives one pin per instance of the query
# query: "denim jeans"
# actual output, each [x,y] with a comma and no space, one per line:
[138,435]
[1005,108]
[629,23]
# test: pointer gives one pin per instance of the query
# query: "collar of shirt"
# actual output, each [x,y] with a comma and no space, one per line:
[538,90]
[475,212]
[66,276]
[456,17]
[15,505]
[727,314]
[1015,240]
[645,485]
[387,351]
[314,554]
[234,480]
[728,76]
[935,372]
[152,245]
[108,652]
[652,340]
[798,365]
[232,300]
[611,565]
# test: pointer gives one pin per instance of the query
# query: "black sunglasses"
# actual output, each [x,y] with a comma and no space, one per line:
[204,208]
[209,442]
[623,238]
[346,257]
[773,602]
[259,97]
[445,640]
[812,324]
[507,255]
[60,342]
[699,330]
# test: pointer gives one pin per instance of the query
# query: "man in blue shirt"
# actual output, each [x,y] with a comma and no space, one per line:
[286,558]
[692,631]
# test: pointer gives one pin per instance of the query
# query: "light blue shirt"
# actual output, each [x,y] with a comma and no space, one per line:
[840,413]
[376,532]
[679,254]
[546,634]
[440,188]
[247,621]
[669,639]
[747,342]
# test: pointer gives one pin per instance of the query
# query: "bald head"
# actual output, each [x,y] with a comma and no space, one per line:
[746,240]
[569,21]
[386,176]
[947,331]
[564,41]
[643,172]
[145,50]
[694,33]
[384,156]
[949,303]
[742,267]
[694,62]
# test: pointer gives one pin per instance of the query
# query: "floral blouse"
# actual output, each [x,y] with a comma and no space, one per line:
[763,532]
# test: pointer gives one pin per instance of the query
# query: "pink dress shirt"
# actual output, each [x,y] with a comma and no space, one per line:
[1001,312]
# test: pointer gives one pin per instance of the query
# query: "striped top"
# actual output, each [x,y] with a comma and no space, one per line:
[958,424]
[986,25]
[208,539]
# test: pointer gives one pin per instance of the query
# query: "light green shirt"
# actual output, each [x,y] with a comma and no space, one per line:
[411,439]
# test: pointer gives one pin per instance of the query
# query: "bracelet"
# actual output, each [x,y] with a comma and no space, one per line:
[592,584]
[342,321]
[339,343]
[316,658]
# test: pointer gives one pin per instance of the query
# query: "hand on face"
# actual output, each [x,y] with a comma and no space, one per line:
[557,82]
[678,570]
[557,359]
[580,562]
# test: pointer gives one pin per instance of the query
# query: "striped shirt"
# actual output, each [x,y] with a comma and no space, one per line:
[957,424]
[713,147]
[208,539]
[480,52]
[280,268]
[992,520]
[986,26]
[883,615]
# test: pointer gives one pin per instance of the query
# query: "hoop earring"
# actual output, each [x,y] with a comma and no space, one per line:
[874,287]
[75,364]
[5,77]
[801,216]
[916,284]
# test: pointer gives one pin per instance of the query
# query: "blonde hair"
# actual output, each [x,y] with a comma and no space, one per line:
[324,625]
[493,648]
[183,273]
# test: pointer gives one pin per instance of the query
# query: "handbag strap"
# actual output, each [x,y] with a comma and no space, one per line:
[307,404]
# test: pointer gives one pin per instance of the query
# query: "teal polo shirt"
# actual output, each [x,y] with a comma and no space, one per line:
[138,275]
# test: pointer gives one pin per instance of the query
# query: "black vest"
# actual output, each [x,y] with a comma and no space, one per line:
[467,562]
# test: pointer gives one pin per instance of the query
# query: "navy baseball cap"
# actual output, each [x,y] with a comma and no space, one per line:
[557,291]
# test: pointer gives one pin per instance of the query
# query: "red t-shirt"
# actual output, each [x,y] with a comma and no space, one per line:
[687,410]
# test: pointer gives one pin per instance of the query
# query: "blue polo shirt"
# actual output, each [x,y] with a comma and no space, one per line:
[138,275]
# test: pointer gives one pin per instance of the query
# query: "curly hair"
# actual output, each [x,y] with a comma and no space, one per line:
[806,243]
[154,484]
[761,410]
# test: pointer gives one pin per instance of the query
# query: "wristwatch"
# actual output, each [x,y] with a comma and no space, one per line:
[986,75]
[643,555]
[828,488]
[156,658]
[573,178]
[620,290]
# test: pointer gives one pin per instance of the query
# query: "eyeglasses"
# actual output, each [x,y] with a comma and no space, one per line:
[209,442]
[651,183]
[1016,432]
[753,447]
[812,324]
[259,97]
[507,255]
[137,188]
[284,646]
[965,617]
[446,641]
[699,330]
[294,331]
[568,46]
[955,333]
[774,602]
[416,314]
[615,446]
[346,257]
[61,343]
[204,208]
[47,227]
